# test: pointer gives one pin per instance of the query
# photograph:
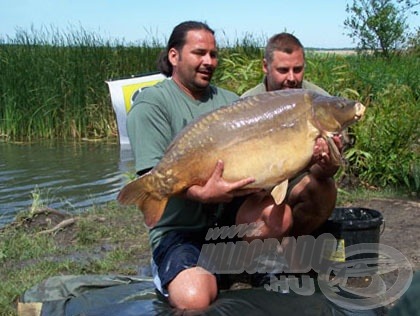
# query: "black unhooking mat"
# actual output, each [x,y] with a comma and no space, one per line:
[106,295]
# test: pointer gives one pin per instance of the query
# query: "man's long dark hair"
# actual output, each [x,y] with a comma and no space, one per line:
[177,41]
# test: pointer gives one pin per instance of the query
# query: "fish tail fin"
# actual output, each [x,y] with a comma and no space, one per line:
[141,193]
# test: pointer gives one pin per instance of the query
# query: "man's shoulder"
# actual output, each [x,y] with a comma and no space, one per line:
[313,87]
[156,89]
[224,92]
[151,97]
[167,87]
[260,88]
[155,94]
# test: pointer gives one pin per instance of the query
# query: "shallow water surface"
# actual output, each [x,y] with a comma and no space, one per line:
[69,176]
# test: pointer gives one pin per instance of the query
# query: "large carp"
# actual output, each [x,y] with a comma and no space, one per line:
[269,137]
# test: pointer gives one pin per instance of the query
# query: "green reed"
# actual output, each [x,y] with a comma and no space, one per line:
[53,84]
[386,149]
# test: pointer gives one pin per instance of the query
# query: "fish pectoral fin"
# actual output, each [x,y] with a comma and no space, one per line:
[279,192]
[325,121]
[335,154]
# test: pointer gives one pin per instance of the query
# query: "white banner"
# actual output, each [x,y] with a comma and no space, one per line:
[123,92]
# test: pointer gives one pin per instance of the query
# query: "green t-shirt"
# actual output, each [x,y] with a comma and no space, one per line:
[260,88]
[158,114]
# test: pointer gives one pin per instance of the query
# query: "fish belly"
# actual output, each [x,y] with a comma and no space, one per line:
[270,161]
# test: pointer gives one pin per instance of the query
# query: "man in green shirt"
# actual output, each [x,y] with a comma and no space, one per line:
[312,195]
[283,66]
[157,115]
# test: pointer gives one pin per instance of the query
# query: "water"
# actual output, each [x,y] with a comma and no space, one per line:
[69,176]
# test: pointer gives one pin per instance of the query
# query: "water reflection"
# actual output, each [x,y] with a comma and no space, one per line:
[69,176]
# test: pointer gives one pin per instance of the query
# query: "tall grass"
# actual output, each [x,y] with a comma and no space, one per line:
[387,148]
[52,85]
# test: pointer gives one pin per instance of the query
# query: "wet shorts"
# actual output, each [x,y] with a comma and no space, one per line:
[177,251]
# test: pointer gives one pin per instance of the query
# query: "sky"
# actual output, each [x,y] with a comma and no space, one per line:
[318,24]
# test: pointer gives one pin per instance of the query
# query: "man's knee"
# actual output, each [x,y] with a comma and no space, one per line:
[325,192]
[279,220]
[276,219]
[313,202]
[193,289]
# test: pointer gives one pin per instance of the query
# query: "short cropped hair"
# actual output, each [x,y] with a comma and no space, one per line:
[284,42]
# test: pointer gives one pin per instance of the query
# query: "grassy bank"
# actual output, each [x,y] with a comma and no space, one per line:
[105,239]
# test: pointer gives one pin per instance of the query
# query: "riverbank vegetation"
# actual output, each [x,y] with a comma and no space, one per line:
[53,86]
[44,242]
[105,239]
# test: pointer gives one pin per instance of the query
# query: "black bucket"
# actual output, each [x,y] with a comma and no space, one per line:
[352,226]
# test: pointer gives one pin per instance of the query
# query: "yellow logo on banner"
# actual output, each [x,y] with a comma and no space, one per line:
[129,90]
